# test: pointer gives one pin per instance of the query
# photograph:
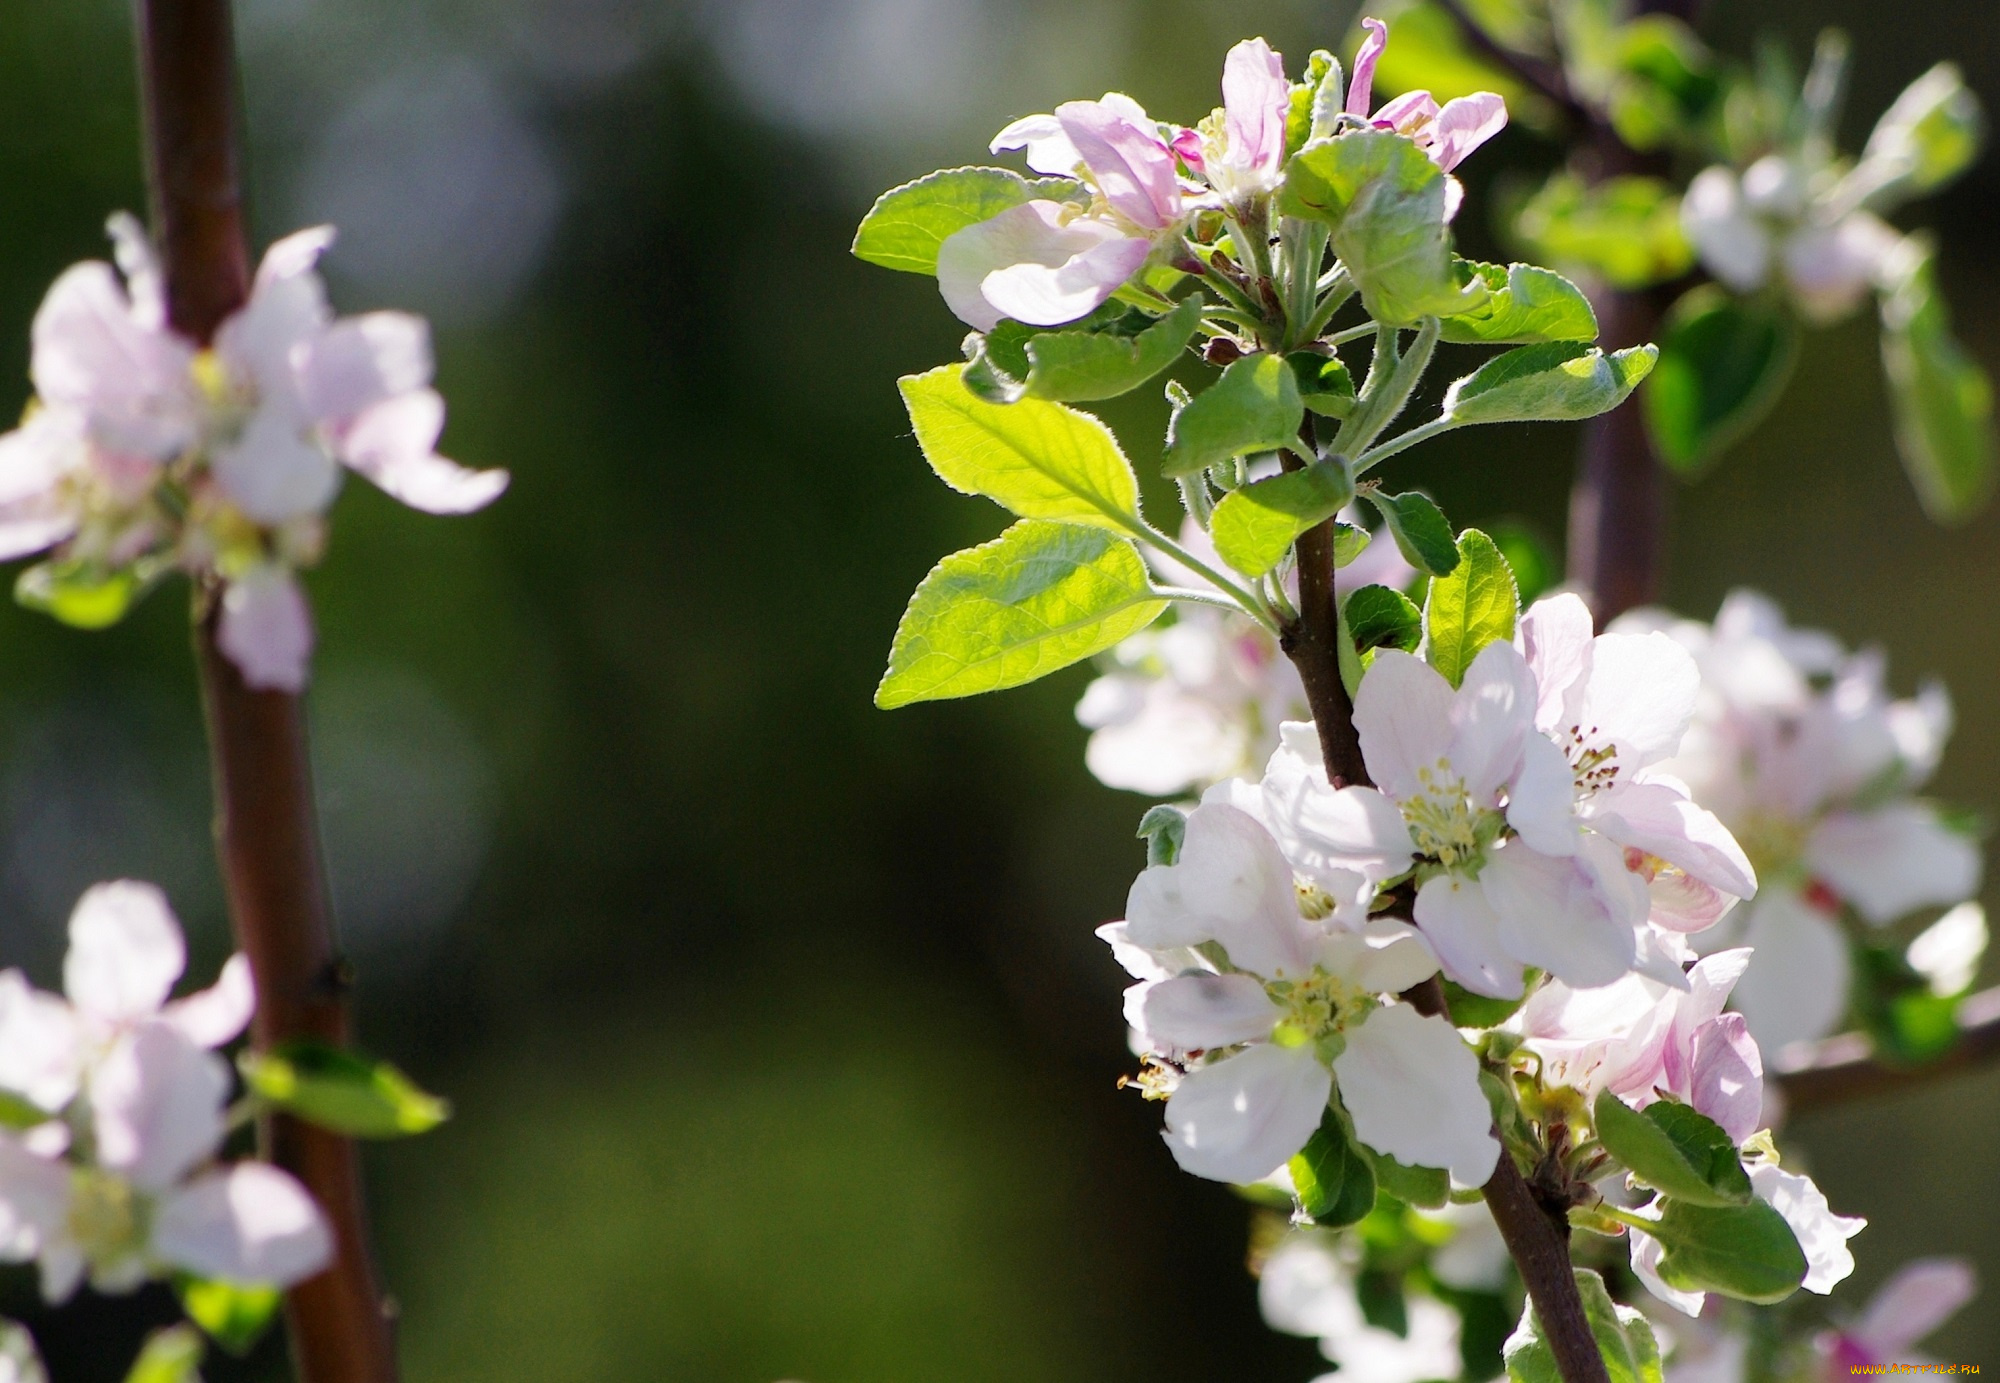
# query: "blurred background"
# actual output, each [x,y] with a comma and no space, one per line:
[779,1041]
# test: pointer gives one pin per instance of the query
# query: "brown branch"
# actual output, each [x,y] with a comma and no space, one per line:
[267,833]
[1817,1075]
[1618,506]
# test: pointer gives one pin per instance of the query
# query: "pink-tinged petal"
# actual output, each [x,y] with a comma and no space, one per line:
[1726,1081]
[1321,829]
[92,355]
[1193,1013]
[1462,929]
[125,951]
[1408,112]
[1796,987]
[41,1049]
[1233,875]
[1131,165]
[1361,91]
[1049,149]
[392,444]
[1918,1298]
[1412,1087]
[1684,904]
[1658,818]
[358,362]
[250,1223]
[287,309]
[1557,914]
[1403,715]
[1243,1117]
[1541,803]
[1463,125]
[217,1015]
[139,264]
[266,629]
[295,255]
[35,459]
[1255,101]
[1710,983]
[1492,714]
[1831,268]
[1187,144]
[1646,1254]
[156,1101]
[1081,262]
[273,471]
[1894,859]
[1556,635]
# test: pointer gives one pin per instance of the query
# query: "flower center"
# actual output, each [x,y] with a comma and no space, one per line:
[1443,819]
[1316,1008]
[1595,766]
[103,1215]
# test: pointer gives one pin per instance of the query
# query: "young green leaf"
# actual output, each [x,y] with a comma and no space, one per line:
[1723,364]
[1386,203]
[1625,1339]
[1743,1251]
[1420,530]
[1326,386]
[907,224]
[1523,304]
[1334,1179]
[1932,132]
[1072,365]
[1037,598]
[1349,542]
[170,1356]
[339,1090]
[1254,407]
[81,594]
[1039,459]
[1555,381]
[1255,526]
[1943,400]
[1674,1149]
[1378,617]
[18,1112]
[1427,1187]
[234,1314]
[1163,828]
[1469,607]
[1626,230]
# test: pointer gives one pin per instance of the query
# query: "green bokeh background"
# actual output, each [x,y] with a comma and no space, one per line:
[780,1044]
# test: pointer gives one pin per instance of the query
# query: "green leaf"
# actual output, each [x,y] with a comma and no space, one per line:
[907,224]
[1556,381]
[1254,407]
[341,1090]
[1326,386]
[1037,598]
[1723,364]
[1626,231]
[1378,617]
[1428,1187]
[1379,1293]
[1163,828]
[1530,558]
[1420,530]
[18,1112]
[1469,607]
[170,1356]
[1943,400]
[80,594]
[1333,1178]
[1255,526]
[1431,53]
[1932,132]
[1349,542]
[1039,459]
[1523,304]
[1743,1251]
[1385,201]
[1666,87]
[1071,365]
[1673,1149]
[235,1314]
[1469,1010]
[1625,1340]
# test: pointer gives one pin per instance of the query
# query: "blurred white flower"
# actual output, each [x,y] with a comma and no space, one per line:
[1306,1289]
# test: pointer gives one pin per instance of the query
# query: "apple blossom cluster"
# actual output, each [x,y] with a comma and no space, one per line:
[1798,746]
[144,452]
[117,1110]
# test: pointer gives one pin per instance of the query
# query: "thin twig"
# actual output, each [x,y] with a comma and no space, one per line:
[267,834]
[1818,1075]
[1546,78]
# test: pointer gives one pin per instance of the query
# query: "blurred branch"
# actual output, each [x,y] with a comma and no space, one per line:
[1545,77]
[1816,1075]
[1618,503]
[267,833]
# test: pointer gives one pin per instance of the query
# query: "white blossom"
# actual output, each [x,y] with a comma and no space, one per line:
[1822,1235]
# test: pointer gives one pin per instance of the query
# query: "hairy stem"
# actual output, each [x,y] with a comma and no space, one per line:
[267,834]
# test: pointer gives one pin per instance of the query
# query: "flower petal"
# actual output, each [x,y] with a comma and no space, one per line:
[1821,1233]
[1732,242]
[217,1015]
[1492,713]
[1242,1118]
[1556,636]
[1796,987]
[1918,1298]
[1402,713]
[1657,817]
[1894,859]
[1412,1087]
[1641,696]
[250,1223]
[125,951]
[1462,929]
[391,443]
[1464,124]
[1558,915]
[1193,1013]
[1541,803]
[357,362]
[1255,101]
[1646,1254]
[41,1050]
[1131,165]
[1361,91]
[1727,1081]
[1039,259]
[273,471]
[1049,149]
[266,629]
[156,1099]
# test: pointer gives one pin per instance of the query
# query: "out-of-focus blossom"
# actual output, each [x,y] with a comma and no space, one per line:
[121,1183]
[1265,990]
[20,1362]
[143,452]
[1306,1289]
[1920,1296]
[1797,746]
